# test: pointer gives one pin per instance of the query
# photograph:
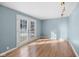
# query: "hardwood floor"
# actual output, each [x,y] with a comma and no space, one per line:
[44,48]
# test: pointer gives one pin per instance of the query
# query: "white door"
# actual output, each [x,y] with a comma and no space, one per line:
[32,29]
[22,30]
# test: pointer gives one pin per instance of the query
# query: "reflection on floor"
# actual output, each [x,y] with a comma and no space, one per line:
[44,48]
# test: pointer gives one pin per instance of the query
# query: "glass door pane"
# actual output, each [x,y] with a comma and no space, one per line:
[32,31]
[22,30]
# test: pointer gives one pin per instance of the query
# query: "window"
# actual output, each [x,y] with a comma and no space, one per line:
[23,25]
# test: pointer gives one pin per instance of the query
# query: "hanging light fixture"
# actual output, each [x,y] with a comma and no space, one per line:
[62,8]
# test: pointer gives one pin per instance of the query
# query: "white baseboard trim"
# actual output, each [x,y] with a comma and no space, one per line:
[73,48]
[3,54]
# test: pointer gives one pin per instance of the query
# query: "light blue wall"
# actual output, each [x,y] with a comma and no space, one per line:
[74,28]
[58,25]
[8,27]
[39,23]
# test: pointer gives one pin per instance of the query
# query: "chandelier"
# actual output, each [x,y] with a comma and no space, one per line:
[62,5]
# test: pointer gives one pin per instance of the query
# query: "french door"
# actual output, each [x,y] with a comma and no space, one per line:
[32,30]
[26,30]
[22,30]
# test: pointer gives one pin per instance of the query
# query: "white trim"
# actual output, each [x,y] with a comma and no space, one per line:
[18,18]
[24,42]
[35,34]
[73,48]
[3,54]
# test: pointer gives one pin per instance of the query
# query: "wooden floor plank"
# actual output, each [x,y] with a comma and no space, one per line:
[44,48]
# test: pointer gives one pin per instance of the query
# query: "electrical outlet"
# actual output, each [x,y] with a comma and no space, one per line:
[7,47]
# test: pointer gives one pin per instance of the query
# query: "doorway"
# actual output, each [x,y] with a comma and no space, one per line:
[26,30]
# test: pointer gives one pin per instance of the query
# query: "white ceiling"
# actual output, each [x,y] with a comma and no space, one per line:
[42,10]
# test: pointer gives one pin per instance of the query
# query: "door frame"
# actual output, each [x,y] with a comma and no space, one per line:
[30,28]
[18,18]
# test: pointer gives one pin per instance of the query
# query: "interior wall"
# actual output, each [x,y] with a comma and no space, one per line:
[59,26]
[74,28]
[38,31]
[8,28]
